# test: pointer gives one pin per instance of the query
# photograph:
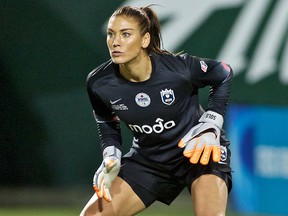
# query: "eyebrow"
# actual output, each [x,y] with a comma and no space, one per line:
[125,29]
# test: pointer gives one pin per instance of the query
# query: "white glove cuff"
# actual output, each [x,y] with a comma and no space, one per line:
[112,151]
[212,117]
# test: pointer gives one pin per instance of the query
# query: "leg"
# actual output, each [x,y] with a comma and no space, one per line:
[209,195]
[124,202]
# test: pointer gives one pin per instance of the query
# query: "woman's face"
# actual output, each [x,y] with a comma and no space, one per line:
[124,40]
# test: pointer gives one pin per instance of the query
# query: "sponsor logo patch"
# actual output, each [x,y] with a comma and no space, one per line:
[142,99]
[159,126]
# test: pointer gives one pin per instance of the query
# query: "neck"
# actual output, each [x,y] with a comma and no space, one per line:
[138,70]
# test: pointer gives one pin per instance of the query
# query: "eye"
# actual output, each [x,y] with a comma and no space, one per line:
[126,34]
[109,34]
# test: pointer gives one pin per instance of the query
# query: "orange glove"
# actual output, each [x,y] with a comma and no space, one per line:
[203,139]
[107,172]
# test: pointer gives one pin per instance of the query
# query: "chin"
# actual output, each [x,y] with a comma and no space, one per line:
[118,61]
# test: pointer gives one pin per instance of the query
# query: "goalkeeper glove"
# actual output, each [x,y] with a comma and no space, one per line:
[203,139]
[107,172]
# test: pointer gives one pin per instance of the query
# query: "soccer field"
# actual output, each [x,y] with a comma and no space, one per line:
[181,206]
[30,211]
[37,211]
[177,208]
[73,211]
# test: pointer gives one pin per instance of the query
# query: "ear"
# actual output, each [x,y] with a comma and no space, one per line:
[146,40]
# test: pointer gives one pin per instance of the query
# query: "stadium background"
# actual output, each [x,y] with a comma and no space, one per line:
[48,137]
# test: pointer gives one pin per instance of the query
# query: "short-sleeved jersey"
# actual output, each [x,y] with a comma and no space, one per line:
[160,110]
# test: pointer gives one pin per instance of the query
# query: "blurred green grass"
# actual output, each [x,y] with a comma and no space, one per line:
[66,211]
[156,209]
[62,203]
[73,211]
[39,211]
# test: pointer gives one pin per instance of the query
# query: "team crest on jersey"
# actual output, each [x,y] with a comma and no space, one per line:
[204,66]
[142,99]
[167,96]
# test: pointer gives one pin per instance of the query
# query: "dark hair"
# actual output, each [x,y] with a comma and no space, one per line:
[148,22]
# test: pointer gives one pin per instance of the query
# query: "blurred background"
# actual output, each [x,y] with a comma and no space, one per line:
[48,138]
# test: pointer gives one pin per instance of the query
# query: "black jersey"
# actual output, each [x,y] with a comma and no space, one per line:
[160,110]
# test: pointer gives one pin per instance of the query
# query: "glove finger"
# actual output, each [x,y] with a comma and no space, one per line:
[199,147]
[187,138]
[98,178]
[96,189]
[196,155]
[107,181]
[190,148]
[107,195]
[188,153]
[216,153]
[109,165]
[99,190]
[181,143]
[206,155]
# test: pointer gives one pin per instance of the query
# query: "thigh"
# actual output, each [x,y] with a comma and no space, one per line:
[209,195]
[124,202]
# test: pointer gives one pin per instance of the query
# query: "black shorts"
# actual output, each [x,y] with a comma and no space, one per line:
[164,182]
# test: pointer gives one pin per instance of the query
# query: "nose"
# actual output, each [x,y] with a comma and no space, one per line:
[115,41]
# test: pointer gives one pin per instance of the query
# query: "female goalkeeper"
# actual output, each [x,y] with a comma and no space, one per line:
[175,143]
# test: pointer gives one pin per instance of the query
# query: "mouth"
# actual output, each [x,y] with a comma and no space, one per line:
[116,53]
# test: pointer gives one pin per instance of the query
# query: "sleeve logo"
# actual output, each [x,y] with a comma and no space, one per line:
[204,66]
